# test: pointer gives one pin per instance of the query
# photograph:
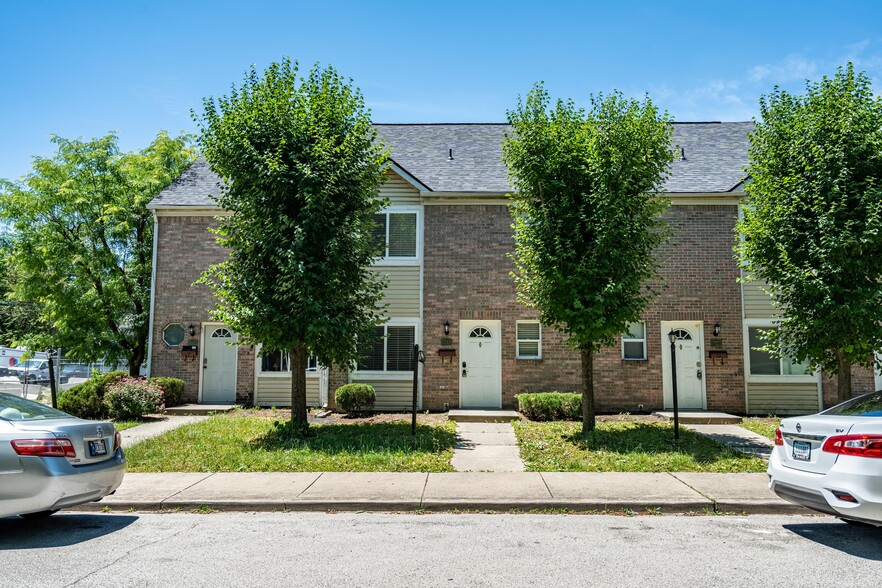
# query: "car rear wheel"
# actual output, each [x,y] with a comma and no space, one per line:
[39,515]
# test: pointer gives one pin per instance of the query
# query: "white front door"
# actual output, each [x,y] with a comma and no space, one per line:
[689,347]
[480,380]
[218,365]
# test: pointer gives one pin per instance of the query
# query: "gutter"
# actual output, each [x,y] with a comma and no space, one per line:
[152,295]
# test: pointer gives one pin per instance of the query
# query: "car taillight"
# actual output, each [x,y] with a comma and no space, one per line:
[117,440]
[779,438]
[858,445]
[44,447]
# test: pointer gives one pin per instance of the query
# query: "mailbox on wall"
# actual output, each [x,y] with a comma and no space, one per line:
[189,350]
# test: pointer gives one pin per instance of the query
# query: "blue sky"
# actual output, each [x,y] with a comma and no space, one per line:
[135,67]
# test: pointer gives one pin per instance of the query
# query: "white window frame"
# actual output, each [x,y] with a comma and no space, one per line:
[769,378]
[258,368]
[384,374]
[416,259]
[518,341]
[635,340]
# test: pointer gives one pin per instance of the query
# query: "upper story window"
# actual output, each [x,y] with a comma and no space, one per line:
[529,338]
[395,234]
[763,364]
[634,341]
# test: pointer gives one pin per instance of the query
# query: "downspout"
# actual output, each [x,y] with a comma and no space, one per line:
[152,296]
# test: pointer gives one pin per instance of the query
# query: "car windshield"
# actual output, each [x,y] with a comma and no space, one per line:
[868,405]
[30,364]
[13,408]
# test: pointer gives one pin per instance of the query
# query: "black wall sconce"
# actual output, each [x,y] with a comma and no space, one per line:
[716,329]
[446,327]
[191,329]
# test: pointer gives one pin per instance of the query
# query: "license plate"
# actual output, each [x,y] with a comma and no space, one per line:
[97,447]
[802,450]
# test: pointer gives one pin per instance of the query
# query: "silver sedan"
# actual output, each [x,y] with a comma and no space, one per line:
[51,460]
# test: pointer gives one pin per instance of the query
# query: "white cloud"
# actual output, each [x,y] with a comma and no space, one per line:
[794,67]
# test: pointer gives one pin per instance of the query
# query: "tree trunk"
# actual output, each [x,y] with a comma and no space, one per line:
[136,359]
[843,374]
[587,390]
[298,387]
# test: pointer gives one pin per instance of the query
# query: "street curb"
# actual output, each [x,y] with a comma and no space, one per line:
[749,507]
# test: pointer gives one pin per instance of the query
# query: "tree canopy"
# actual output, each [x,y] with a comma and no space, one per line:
[812,223]
[80,245]
[302,167]
[585,218]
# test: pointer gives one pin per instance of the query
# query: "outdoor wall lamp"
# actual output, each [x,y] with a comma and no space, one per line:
[191,329]
[717,329]
[446,327]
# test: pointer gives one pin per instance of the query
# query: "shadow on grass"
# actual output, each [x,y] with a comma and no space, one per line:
[357,438]
[630,438]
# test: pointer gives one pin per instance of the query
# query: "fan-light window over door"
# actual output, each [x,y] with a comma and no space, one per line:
[480,333]
[221,334]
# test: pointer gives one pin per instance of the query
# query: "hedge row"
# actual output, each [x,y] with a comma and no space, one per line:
[550,406]
[87,400]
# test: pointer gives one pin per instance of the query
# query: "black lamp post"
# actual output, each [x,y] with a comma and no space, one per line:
[672,336]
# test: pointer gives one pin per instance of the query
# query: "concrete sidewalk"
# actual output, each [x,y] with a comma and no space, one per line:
[578,491]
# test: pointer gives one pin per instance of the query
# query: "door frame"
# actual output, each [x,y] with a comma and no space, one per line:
[496,329]
[668,394]
[205,327]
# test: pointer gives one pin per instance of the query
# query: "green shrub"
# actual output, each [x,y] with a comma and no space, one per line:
[355,398]
[550,406]
[172,390]
[86,400]
[132,398]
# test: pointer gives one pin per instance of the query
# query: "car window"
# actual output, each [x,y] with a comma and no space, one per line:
[30,364]
[13,408]
[868,405]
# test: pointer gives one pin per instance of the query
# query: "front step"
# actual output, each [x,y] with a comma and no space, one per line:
[483,416]
[700,417]
[199,409]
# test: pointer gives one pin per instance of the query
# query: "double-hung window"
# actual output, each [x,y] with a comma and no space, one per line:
[275,362]
[762,363]
[529,337]
[395,234]
[390,351]
[634,342]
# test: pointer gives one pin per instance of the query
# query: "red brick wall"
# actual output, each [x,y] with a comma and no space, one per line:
[862,382]
[467,276]
[185,249]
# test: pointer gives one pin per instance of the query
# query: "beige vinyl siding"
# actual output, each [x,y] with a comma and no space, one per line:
[391,394]
[398,191]
[276,391]
[757,304]
[782,399]
[402,291]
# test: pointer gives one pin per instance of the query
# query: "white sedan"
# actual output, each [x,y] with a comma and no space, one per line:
[831,462]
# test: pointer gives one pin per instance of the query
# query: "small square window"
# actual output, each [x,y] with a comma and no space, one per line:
[762,363]
[634,342]
[529,340]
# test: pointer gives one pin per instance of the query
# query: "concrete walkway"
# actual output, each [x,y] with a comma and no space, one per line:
[737,438]
[579,491]
[486,447]
[154,428]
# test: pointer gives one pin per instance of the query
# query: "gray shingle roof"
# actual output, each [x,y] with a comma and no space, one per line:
[715,157]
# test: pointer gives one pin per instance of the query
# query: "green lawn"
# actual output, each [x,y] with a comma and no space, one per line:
[232,443]
[764,426]
[123,425]
[625,447]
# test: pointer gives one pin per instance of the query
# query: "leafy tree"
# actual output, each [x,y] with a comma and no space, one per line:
[303,167]
[80,245]
[586,221]
[812,221]
[17,318]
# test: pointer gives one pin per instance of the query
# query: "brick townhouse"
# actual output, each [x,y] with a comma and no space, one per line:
[449,237]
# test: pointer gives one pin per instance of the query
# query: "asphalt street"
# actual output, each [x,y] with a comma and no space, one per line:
[374,549]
